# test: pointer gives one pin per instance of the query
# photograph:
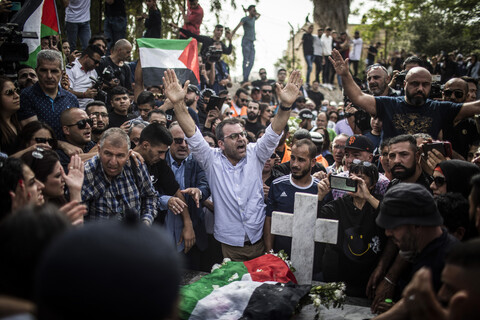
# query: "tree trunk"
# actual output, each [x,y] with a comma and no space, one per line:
[331,13]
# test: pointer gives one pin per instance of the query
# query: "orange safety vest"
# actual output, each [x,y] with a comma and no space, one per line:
[243,111]
[286,154]
[322,160]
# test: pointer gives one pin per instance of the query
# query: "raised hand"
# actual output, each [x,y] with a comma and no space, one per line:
[340,65]
[173,90]
[290,92]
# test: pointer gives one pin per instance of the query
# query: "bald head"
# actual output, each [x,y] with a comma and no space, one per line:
[418,83]
[69,114]
[455,90]
[122,50]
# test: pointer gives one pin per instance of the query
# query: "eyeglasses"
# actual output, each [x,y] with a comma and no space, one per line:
[99,114]
[266,91]
[97,62]
[458,93]
[82,124]
[11,92]
[178,140]
[245,100]
[439,181]
[50,141]
[363,163]
[339,147]
[235,136]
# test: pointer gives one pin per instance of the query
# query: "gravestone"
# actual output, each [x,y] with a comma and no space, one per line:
[305,229]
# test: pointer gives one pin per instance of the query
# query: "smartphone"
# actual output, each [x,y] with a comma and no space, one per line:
[215,102]
[444,147]
[343,183]
[15,6]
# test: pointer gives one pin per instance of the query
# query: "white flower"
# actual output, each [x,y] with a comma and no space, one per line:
[234,277]
[338,294]
[225,260]
[317,302]
[215,267]
[215,286]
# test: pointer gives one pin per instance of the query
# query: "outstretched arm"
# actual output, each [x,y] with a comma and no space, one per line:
[364,101]
[468,110]
[287,97]
[176,94]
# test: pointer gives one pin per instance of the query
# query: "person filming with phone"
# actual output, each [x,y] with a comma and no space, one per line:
[360,241]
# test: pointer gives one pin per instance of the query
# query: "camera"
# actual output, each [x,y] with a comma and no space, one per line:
[213,54]
[399,79]
[13,49]
[97,85]
[108,74]
[436,90]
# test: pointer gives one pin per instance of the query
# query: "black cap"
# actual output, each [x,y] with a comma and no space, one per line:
[305,114]
[359,142]
[193,88]
[317,137]
[408,203]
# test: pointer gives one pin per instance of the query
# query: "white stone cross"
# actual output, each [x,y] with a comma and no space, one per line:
[305,229]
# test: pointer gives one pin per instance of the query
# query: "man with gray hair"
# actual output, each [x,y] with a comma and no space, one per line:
[46,100]
[114,183]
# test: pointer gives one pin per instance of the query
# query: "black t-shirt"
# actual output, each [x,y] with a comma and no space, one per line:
[307,44]
[163,178]
[116,120]
[253,127]
[153,24]
[462,136]
[359,245]
[399,117]
[117,9]
[370,56]
[122,73]
[317,97]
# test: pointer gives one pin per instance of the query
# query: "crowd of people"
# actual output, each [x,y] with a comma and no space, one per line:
[194,172]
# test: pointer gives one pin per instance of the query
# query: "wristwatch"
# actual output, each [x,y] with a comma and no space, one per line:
[285,108]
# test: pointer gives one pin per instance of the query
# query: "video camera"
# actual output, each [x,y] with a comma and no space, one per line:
[12,49]
[213,54]
[362,118]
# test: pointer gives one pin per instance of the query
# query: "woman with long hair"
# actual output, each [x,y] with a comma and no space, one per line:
[35,135]
[9,124]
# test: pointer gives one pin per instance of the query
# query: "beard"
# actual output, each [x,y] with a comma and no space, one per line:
[252,116]
[189,102]
[301,174]
[415,99]
[378,90]
[403,175]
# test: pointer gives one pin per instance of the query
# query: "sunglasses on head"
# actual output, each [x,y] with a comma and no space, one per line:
[50,141]
[439,181]
[11,92]
[363,163]
[82,124]
[458,93]
[235,136]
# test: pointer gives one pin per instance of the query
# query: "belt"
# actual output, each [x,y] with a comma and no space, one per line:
[248,243]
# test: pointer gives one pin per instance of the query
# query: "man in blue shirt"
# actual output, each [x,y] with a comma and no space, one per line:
[46,100]
[248,48]
[193,183]
[281,196]
[412,113]
[234,170]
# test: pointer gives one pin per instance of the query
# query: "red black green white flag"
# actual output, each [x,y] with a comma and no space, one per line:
[38,16]
[158,55]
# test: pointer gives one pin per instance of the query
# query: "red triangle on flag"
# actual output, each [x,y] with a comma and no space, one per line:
[189,57]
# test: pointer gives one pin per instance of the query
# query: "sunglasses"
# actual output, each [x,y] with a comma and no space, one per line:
[235,136]
[266,91]
[363,163]
[11,92]
[178,140]
[273,156]
[82,124]
[245,100]
[97,62]
[439,181]
[50,141]
[458,93]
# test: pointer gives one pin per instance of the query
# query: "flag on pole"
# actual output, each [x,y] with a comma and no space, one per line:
[158,55]
[39,16]
[262,288]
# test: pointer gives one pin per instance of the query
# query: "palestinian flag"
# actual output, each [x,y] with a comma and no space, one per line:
[38,16]
[262,288]
[158,55]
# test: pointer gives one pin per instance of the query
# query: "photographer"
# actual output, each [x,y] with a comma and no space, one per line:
[219,70]
[398,77]
[79,73]
[113,69]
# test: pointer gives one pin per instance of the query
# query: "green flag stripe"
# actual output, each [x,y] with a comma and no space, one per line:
[47,31]
[32,58]
[167,44]
[198,290]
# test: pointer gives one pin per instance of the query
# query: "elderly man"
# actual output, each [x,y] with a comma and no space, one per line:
[46,100]
[114,183]
[411,113]
[234,170]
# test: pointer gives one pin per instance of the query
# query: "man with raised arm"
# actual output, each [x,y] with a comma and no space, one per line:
[234,170]
[409,114]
